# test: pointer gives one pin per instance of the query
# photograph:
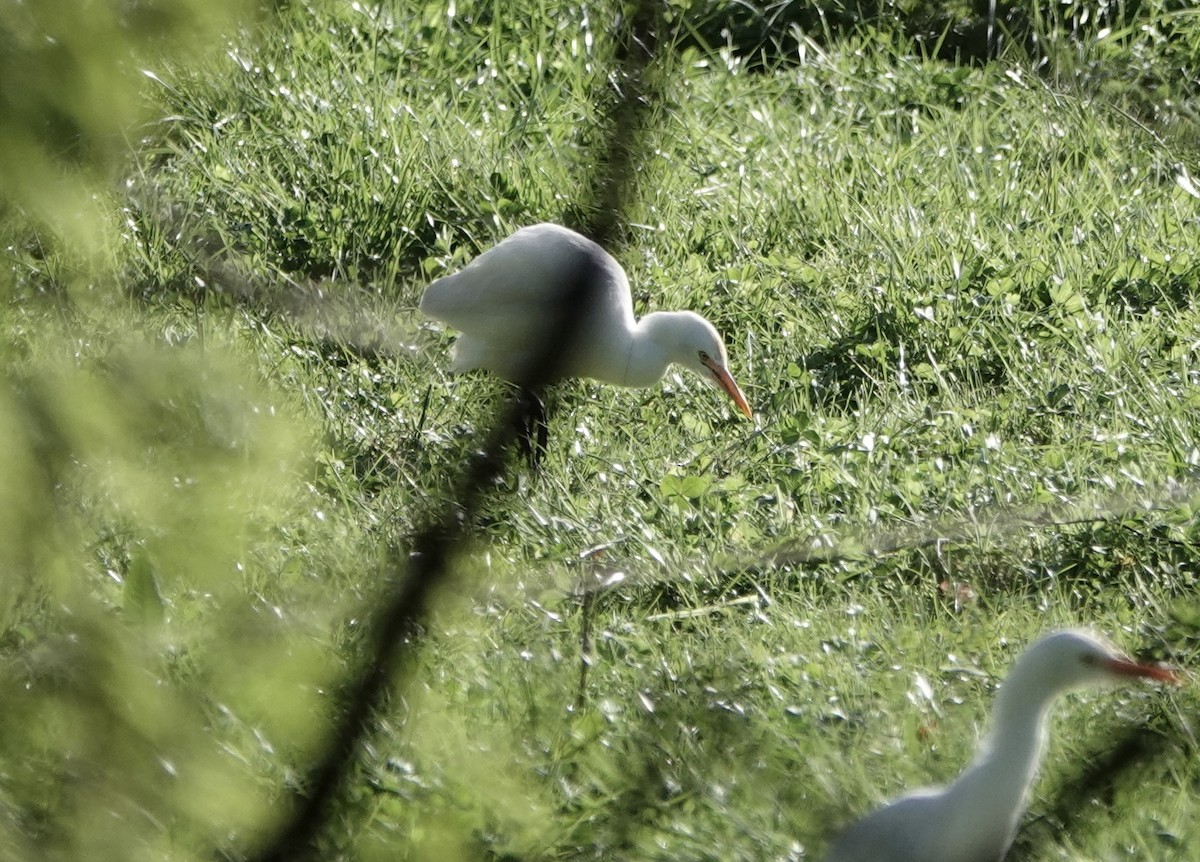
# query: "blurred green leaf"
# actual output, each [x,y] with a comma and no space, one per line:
[142,600]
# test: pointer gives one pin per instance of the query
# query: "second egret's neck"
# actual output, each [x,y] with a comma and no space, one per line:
[1010,754]
[652,347]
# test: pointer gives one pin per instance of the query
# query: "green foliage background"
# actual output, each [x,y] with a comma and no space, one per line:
[959,291]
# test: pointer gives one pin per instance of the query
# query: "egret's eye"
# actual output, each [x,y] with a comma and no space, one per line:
[703,356]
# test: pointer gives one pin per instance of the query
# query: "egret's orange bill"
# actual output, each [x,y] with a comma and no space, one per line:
[1125,667]
[726,382]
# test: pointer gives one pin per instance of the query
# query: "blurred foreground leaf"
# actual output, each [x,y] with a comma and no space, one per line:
[72,91]
[137,473]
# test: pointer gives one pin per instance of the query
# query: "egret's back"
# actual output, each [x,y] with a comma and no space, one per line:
[925,826]
[510,299]
[886,834]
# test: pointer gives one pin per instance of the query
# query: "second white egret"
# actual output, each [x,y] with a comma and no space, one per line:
[974,819]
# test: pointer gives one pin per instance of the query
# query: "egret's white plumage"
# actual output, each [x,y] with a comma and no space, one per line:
[975,818]
[506,301]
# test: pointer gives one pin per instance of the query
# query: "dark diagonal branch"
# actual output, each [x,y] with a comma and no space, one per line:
[413,576]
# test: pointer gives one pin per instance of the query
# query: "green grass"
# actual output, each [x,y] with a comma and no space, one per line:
[962,301]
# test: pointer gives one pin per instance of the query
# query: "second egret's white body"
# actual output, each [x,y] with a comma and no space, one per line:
[974,819]
[506,303]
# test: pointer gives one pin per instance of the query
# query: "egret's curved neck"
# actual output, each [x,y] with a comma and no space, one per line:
[1011,752]
[651,349]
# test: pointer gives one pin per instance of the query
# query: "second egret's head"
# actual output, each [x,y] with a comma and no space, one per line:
[1072,658]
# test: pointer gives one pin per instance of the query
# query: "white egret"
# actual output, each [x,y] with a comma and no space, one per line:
[974,819]
[508,301]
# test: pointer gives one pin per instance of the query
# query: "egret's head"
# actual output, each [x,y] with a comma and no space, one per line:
[699,347]
[1073,658]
